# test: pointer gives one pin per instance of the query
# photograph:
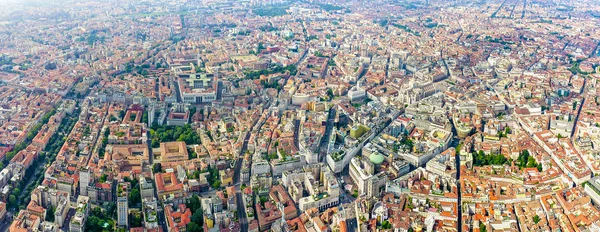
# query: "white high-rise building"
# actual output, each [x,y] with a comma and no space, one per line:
[122,206]
[84,180]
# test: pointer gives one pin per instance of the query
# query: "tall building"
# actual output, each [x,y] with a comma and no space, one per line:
[146,188]
[313,186]
[81,213]
[122,207]
[364,175]
[84,180]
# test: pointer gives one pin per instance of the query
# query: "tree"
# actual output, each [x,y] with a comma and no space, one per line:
[263,199]
[145,117]
[198,217]
[50,66]
[482,227]
[12,200]
[193,227]
[101,220]
[261,47]
[192,154]
[330,93]
[531,162]
[193,203]
[194,175]
[157,168]
[50,214]
[121,114]
[135,197]
[97,211]
[155,143]
[136,219]
[536,219]
[523,158]
[193,111]
[480,159]
[92,222]
[272,156]
[408,143]
[103,178]
[386,225]
[216,184]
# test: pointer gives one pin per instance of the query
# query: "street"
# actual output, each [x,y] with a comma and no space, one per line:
[322,150]
[161,216]
[241,208]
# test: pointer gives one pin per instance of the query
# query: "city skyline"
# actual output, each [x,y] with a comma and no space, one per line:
[299,115]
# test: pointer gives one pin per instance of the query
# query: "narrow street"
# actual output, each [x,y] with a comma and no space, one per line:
[241,208]
[322,150]
[459,214]
[580,105]
[161,216]
[177,91]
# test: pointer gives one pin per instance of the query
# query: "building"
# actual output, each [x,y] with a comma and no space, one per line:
[280,196]
[2,211]
[146,188]
[318,181]
[172,152]
[363,173]
[226,176]
[129,157]
[198,88]
[157,113]
[179,115]
[438,140]
[178,219]
[267,214]
[25,221]
[356,93]
[149,209]
[81,213]
[60,214]
[168,187]
[399,168]
[101,192]
[443,164]
[592,188]
[210,207]
[358,131]
[299,99]
[36,209]
[122,206]
[84,180]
